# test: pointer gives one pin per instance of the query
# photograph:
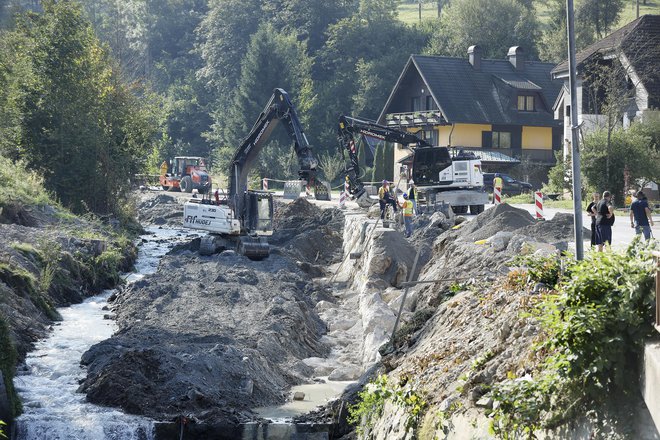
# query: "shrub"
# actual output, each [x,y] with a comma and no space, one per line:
[594,327]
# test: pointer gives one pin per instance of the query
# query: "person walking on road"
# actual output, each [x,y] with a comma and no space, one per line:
[385,198]
[591,210]
[407,208]
[412,196]
[640,216]
[497,185]
[604,221]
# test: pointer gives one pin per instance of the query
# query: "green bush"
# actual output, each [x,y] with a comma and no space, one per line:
[19,184]
[594,327]
[372,401]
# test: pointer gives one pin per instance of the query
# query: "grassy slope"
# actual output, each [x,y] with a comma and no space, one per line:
[409,13]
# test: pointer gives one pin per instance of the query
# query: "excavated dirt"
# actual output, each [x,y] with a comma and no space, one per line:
[161,208]
[214,337]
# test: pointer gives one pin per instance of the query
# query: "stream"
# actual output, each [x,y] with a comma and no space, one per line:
[47,385]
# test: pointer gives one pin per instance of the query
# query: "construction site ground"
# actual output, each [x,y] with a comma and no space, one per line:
[224,340]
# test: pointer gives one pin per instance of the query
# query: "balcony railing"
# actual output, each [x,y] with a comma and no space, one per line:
[544,157]
[415,119]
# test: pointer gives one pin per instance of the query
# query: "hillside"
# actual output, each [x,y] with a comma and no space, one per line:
[409,12]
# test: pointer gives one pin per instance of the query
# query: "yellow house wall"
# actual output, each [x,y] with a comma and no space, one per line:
[464,135]
[539,138]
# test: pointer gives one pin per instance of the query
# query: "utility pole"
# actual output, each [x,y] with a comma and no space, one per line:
[577,184]
[637,8]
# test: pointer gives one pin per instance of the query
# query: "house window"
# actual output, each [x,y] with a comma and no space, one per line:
[430,103]
[501,139]
[430,136]
[415,104]
[526,103]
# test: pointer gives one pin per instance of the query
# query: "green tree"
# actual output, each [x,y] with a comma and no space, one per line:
[355,70]
[553,45]
[634,149]
[378,171]
[495,25]
[309,19]
[81,127]
[600,15]
[273,59]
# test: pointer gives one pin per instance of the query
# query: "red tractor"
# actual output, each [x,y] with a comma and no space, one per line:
[185,174]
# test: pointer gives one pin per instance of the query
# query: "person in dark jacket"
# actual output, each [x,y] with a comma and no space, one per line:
[591,210]
[640,216]
[604,221]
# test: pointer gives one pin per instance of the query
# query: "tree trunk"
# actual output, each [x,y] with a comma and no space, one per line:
[420,10]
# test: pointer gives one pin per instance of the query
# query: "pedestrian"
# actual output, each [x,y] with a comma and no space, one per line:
[591,211]
[385,198]
[497,184]
[407,208]
[412,195]
[604,221]
[640,216]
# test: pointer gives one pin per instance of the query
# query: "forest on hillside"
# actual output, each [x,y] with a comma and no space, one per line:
[92,91]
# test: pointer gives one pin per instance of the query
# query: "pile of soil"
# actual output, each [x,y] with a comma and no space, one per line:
[309,234]
[215,337]
[162,209]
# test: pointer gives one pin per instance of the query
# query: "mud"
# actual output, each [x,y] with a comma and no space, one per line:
[215,337]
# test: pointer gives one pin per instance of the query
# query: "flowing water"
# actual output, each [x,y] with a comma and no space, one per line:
[53,410]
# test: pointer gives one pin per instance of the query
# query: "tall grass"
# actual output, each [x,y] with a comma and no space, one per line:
[17,183]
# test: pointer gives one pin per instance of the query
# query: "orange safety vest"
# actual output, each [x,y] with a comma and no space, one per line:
[408,208]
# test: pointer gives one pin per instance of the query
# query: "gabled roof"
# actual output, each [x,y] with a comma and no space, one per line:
[639,40]
[483,96]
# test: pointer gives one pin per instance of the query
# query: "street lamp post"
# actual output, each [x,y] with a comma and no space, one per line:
[577,185]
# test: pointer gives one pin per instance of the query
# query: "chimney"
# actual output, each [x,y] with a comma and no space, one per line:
[516,57]
[474,56]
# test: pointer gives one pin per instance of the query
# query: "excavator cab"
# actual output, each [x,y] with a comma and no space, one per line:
[258,212]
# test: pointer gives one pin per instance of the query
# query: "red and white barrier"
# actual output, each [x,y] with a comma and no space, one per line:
[497,195]
[264,184]
[344,195]
[538,201]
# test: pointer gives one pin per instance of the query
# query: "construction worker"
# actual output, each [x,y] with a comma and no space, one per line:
[497,185]
[163,168]
[412,195]
[385,198]
[407,208]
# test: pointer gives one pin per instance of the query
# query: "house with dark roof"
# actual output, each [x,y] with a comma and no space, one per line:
[631,52]
[499,109]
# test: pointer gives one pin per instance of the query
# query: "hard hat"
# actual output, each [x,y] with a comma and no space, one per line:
[385,181]
[405,195]
[412,182]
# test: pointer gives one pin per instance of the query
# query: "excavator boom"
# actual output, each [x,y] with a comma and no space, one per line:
[246,216]
[351,128]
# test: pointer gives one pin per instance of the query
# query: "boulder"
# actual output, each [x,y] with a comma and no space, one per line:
[349,372]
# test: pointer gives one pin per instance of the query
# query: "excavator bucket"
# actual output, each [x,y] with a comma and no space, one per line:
[255,248]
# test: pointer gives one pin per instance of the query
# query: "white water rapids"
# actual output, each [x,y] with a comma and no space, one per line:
[53,410]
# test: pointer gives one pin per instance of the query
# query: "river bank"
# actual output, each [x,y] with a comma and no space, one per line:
[49,259]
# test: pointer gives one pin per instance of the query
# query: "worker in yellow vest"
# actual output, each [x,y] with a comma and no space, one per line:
[385,198]
[163,168]
[407,208]
[497,183]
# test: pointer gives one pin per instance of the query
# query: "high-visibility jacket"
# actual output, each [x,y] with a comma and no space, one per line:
[163,168]
[497,182]
[408,208]
[381,193]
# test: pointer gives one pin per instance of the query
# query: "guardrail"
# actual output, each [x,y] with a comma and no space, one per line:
[656,258]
